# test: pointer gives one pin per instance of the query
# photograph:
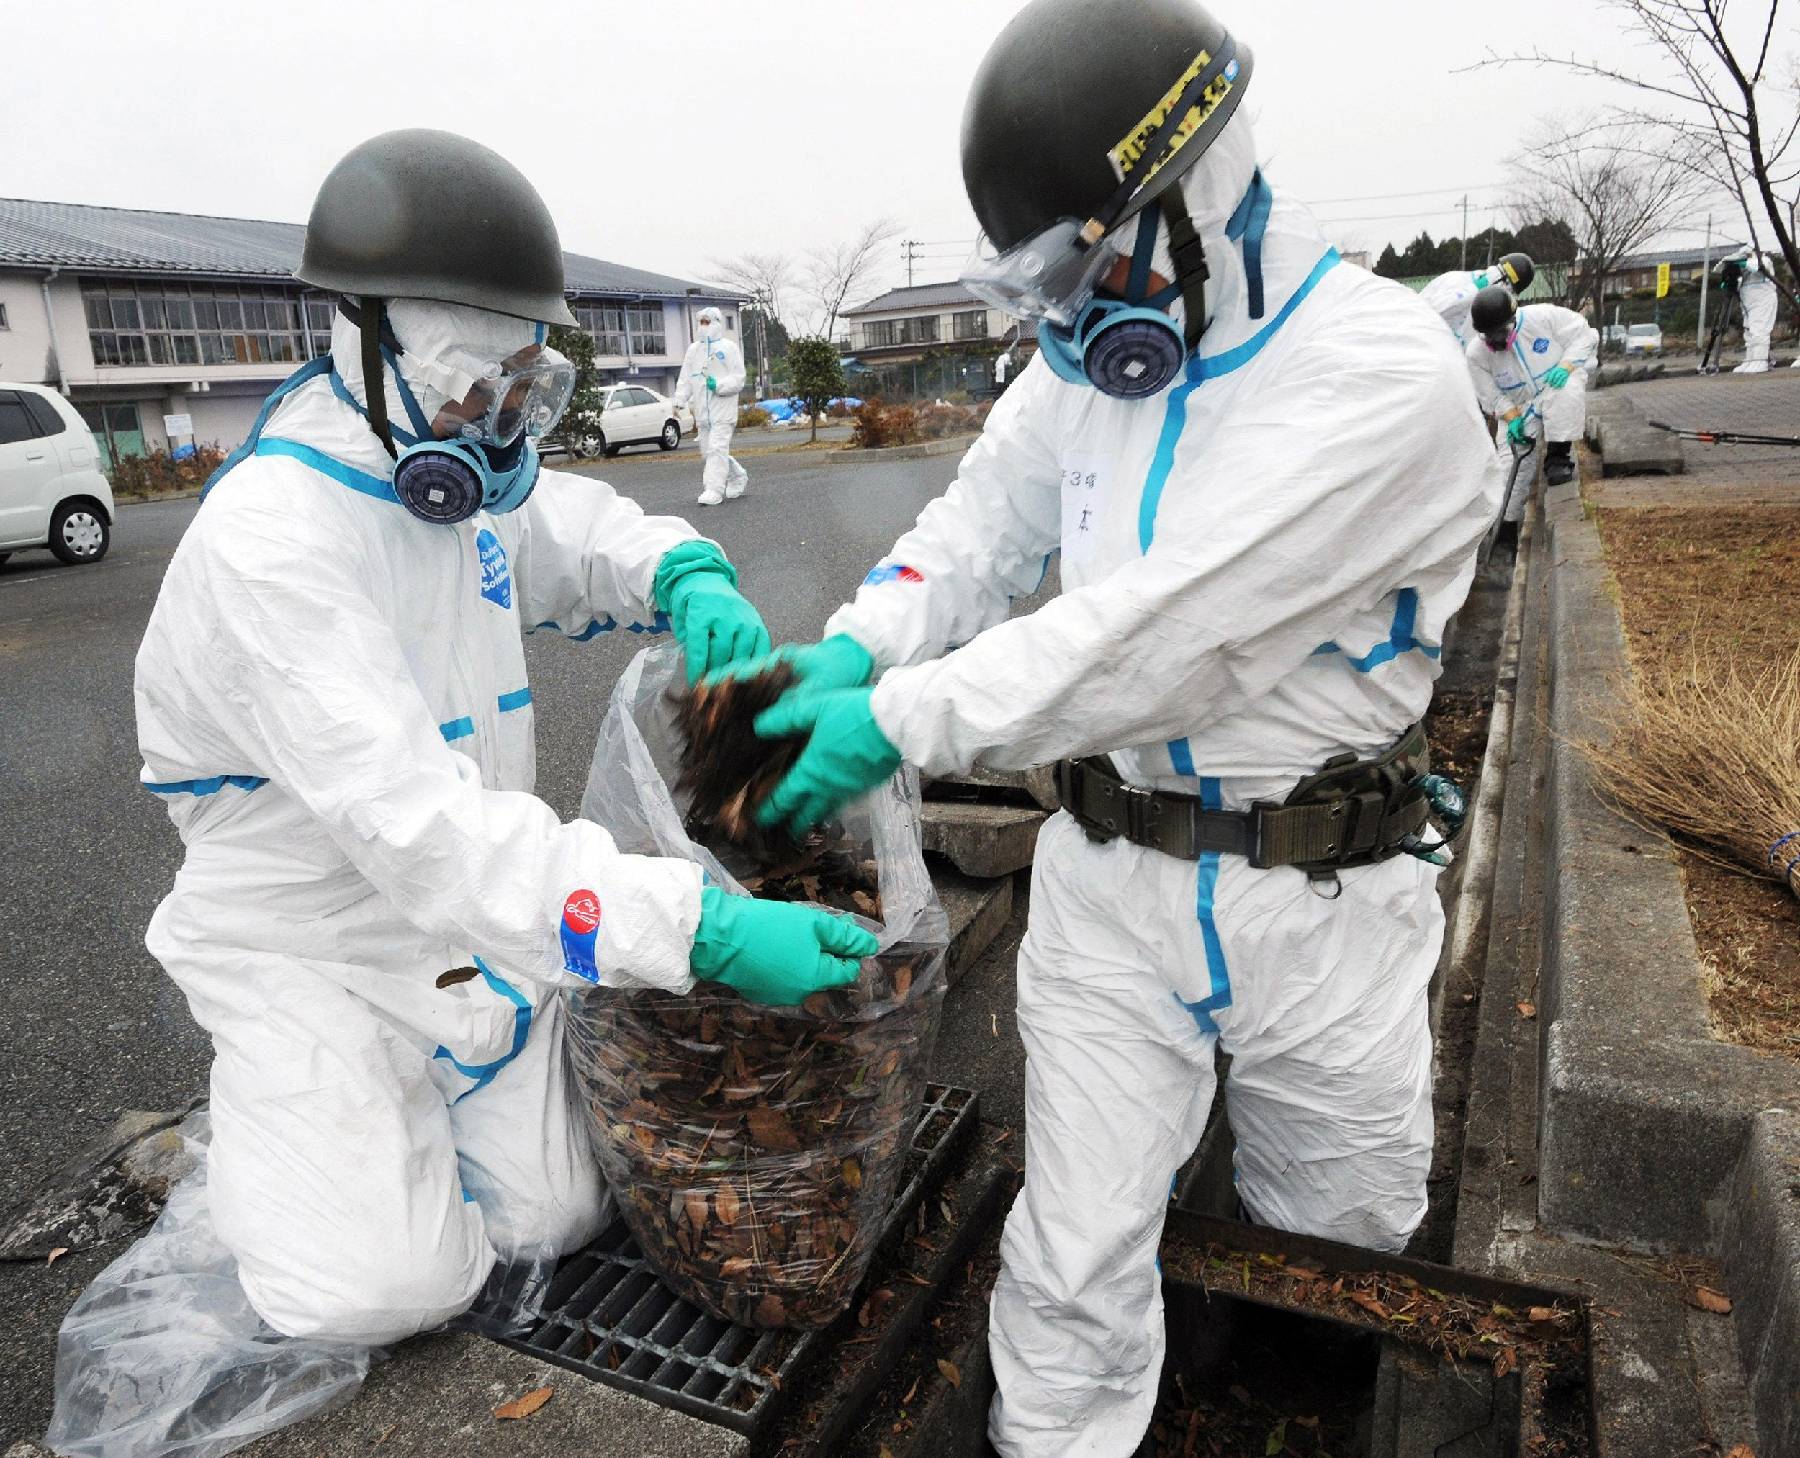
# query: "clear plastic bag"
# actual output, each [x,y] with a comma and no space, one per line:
[164,1357]
[754,1151]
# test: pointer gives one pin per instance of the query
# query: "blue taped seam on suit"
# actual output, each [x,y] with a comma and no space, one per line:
[1206,880]
[209,786]
[329,466]
[1400,637]
[457,729]
[1200,369]
[307,372]
[485,1073]
[517,699]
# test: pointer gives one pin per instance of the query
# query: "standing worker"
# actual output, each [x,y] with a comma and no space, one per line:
[1268,482]
[375,916]
[1748,271]
[1003,368]
[712,373]
[1532,362]
[1452,293]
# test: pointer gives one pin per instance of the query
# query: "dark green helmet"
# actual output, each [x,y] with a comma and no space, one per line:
[1492,313]
[1518,270]
[422,214]
[1067,97]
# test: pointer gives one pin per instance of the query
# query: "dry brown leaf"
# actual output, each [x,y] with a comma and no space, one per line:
[951,1375]
[726,1203]
[1542,1313]
[886,1452]
[1708,1299]
[1506,1361]
[1742,1450]
[524,1407]
[1527,1010]
[1370,1304]
[56,1255]
[853,1173]
[456,975]
[770,1129]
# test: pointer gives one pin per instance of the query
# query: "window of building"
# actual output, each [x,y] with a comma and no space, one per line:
[972,324]
[878,333]
[624,329]
[920,330]
[134,323]
[3,323]
[15,424]
[117,431]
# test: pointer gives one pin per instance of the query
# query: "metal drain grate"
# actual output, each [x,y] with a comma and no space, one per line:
[607,1316]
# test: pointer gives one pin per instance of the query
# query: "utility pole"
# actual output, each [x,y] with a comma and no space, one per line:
[1705,274]
[909,248]
[1465,233]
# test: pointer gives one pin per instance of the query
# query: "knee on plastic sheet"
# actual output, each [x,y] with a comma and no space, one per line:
[373,1300]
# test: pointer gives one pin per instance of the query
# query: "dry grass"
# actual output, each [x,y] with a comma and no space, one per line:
[1708,749]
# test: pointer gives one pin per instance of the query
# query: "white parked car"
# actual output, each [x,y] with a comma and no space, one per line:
[1643,339]
[52,493]
[637,415]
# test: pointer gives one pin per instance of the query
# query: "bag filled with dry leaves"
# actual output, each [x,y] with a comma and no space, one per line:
[755,1150]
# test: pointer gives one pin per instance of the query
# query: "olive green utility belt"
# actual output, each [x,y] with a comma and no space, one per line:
[1353,812]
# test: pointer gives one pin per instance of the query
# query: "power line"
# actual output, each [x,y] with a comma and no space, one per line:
[1387,196]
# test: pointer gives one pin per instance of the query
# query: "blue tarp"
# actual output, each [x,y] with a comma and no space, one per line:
[782,408]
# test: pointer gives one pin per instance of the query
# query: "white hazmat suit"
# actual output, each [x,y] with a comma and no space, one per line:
[1452,294]
[332,703]
[1511,380]
[1760,299]
[712,374]
[1258,564]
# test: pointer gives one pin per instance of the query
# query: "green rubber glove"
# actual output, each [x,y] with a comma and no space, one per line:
[714,622]
[846,754]
[712,384]
[774,951]
[1557,378]
[838,662]
[1515,430]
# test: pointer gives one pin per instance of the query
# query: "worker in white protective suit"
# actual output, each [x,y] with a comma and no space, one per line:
[375,916]
[1452,293]
[1530,367]
[1268,481]
[1759,299]
[712,374]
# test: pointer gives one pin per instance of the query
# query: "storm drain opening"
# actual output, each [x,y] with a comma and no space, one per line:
[607,1316]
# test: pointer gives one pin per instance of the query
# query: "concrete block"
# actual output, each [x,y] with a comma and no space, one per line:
[982,783]
[1761,1240]
[982,840]
[978,911]
[437,1395]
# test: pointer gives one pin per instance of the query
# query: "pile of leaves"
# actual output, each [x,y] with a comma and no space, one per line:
[755,1150]
[1454,1324]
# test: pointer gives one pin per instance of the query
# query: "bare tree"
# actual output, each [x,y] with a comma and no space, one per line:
[833,272]
[1713,95]
[1614,193]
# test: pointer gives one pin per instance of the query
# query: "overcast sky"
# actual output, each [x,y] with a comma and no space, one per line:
[669,135]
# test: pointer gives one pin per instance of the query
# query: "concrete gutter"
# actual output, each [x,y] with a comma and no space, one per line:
[1654,1134]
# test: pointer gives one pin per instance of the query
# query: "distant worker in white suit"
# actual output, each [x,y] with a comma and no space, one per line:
[1759,297]
[1452,293]
[711,376]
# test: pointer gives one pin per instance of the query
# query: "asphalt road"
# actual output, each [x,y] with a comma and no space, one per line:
[92,1026]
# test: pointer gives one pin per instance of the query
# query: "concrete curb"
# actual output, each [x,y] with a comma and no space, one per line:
[950,445]
[1654,1134]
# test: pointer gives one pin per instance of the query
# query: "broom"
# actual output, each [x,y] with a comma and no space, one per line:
[1709,752]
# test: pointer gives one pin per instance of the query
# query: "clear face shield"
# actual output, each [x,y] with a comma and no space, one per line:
[521,396]
[1049,277]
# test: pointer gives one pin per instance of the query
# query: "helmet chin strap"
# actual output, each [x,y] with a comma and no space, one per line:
[1191,271]
[369,318]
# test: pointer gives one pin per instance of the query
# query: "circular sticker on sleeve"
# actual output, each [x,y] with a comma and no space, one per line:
[580,929]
